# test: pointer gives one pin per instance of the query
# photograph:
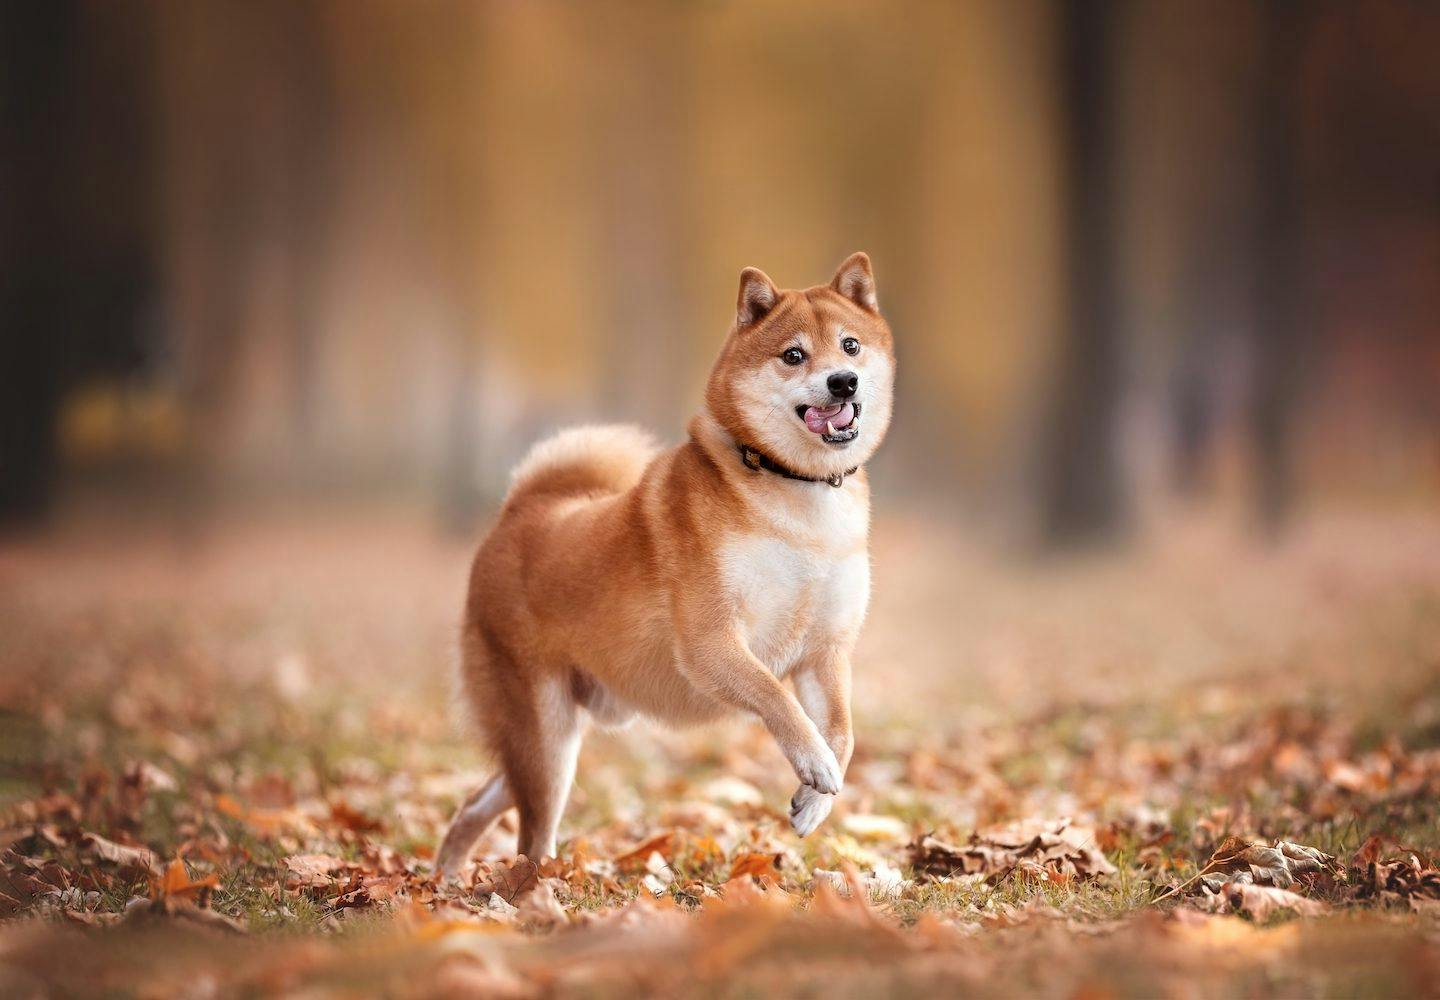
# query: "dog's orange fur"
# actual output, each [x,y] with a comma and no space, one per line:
[681,585]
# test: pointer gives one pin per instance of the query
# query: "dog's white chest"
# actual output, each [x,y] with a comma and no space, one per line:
[792,593]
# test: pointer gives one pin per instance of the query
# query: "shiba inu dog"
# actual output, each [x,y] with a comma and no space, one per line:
[620,580]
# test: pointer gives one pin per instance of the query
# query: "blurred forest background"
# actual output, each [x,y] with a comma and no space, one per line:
[287,287]
[1132,251]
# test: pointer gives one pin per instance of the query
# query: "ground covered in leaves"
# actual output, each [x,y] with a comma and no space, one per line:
[1198,767]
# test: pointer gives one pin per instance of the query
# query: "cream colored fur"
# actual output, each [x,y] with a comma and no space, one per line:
[620,580]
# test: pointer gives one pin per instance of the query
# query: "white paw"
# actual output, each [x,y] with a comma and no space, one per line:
[817,767]
[808,809]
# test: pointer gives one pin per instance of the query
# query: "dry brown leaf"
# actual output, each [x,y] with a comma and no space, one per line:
[314,870]
[541,907]
[760,891]
[384,888]
[1041,848]
[754,863]
[1408,878]
[144,909]
[510,881]
[1369,852]
[140,858]
[1260,901]
[852,906]
[22,879]
[661,843]
[264,823]
[354,894]
[343,814]
[1280,865]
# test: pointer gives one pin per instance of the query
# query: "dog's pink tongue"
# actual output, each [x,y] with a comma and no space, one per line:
[840,415]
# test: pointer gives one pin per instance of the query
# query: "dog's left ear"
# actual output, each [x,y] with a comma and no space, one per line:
[854,280]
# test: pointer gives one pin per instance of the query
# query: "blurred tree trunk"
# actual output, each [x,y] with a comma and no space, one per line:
[37,44]
[643,136]
[1192,397]
[1277,330]
[1083,496]
[77,260]
[458,202]
[307,183]
[1210,286]
[220,141]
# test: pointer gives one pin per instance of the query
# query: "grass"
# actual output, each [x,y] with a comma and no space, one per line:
[282,707]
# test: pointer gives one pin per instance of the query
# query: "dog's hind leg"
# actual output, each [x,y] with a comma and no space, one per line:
[540,764]
[472,819]
[608,711]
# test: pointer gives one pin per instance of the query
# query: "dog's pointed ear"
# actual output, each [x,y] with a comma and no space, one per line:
[854,280]
[757,297]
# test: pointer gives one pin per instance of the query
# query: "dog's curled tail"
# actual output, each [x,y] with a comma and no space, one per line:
[584,460]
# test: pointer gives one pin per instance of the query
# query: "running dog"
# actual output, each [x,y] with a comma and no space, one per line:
[622,580]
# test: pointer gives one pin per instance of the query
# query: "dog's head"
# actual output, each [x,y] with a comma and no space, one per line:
[806,376]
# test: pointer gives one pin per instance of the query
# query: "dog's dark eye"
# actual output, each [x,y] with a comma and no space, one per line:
[792,356]
[851,346]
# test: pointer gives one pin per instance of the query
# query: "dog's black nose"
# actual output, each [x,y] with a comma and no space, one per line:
[843,384]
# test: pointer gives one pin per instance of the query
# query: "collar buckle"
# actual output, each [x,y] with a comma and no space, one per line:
[757,461]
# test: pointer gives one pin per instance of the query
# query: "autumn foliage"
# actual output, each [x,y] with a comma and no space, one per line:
[233,771]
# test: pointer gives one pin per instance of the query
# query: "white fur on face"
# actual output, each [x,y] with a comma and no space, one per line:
[769,395]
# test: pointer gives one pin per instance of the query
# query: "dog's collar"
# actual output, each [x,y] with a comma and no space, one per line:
[758,460]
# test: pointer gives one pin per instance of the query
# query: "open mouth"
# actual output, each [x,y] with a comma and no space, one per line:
[836,424]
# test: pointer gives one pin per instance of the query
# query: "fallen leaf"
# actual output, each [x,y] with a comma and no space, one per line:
[343,814]
[264,823]
[501,908]
[541,907]
[509,882]
[140,909]
[314,870]
[1280,865]
[1260,901]
[140,858]
[662,843]
[1053,846]
[177,884]
[754,863]
[1408,878]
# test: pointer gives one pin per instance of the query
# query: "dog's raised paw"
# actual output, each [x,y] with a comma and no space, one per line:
[808,809]
[818,768]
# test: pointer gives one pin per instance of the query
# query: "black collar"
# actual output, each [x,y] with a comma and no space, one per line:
[759,460]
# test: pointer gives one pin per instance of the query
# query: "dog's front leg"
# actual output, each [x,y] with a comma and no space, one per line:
[721,665]
[822,684]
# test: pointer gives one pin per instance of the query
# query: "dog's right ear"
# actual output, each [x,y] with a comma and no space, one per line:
[758,296]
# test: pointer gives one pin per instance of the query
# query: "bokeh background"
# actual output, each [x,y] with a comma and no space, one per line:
[1132,251]
[287,287]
